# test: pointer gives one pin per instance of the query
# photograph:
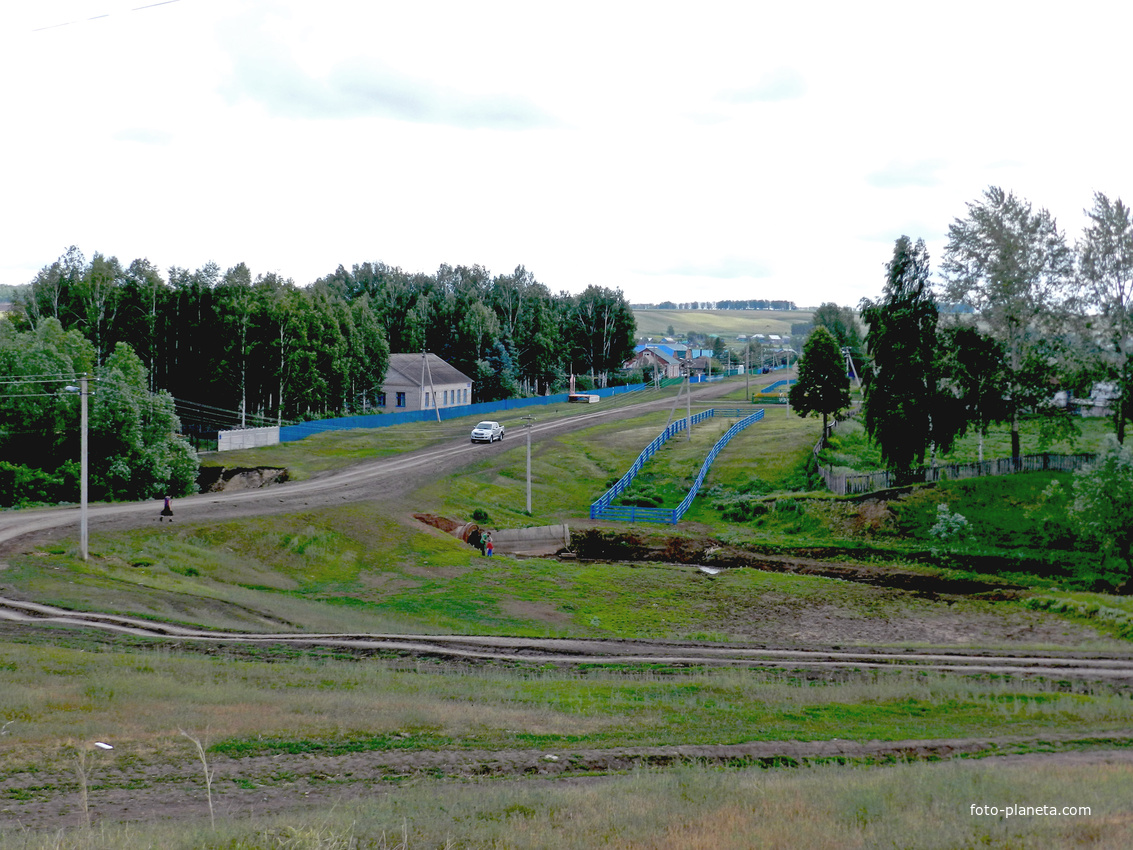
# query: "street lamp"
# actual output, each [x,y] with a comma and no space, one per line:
[81,389]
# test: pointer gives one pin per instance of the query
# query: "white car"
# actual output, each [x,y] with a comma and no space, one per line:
[487,432]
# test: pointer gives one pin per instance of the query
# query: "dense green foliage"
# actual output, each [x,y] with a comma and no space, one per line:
[1102,507]
[265,347]
[823,386]
[902,405]
[236,350]
[1012,265]
[1105,264]
[843,324]
[134,450]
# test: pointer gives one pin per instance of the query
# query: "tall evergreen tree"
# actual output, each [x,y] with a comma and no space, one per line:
[901,401]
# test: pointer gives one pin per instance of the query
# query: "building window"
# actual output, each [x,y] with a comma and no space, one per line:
[426,399]
[446,398]
[401,399]
[381,399]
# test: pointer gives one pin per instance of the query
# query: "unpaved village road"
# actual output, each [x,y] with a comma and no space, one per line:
[385,479]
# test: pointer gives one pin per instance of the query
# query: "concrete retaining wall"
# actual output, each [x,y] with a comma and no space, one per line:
[247,438]
[540,540]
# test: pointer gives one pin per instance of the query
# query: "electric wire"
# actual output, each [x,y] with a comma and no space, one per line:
[105,15]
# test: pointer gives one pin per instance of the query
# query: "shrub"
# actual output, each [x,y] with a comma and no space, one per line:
[741,508]
[24,485]
[949,526]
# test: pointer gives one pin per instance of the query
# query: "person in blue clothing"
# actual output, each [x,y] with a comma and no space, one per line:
[488,544]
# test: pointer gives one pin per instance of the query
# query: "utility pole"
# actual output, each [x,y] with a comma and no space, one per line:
[433,390]
[747,371]
[688,403]
[81,389]
[527,428]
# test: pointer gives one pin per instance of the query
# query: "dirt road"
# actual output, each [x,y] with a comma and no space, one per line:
[388,478]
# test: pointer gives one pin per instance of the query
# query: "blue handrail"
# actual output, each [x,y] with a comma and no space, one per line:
[602,509]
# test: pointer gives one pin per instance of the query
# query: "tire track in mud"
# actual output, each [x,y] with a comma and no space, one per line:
[1114,669]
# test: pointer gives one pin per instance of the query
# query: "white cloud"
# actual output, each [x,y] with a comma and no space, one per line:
[777,84]
[736,149]
[899,175]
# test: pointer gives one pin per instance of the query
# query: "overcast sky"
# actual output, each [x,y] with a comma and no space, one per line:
[673,150]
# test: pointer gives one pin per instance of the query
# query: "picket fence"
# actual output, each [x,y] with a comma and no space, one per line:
[603,509]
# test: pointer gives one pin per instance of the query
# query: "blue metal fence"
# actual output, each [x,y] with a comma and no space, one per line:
[603,509]
[288,433]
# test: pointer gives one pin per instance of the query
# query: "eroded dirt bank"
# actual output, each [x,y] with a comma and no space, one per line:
[601,544]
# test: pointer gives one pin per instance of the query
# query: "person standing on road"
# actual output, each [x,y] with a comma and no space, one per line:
[166,511]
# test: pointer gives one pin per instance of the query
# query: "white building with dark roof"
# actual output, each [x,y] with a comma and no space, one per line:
[422,382]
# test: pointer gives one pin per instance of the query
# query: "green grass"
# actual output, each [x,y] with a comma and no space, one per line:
[725,323]
[337,449]
[827,807]
[355,568]
[141,698]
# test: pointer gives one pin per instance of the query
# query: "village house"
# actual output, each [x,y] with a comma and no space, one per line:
[651,357]
[422,382]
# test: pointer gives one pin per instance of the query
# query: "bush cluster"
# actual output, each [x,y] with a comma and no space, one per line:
[21,486]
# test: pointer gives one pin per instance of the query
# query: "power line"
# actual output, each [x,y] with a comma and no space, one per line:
[104,15]
[36,379]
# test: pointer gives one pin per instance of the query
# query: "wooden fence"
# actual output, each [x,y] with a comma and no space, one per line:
[848,484]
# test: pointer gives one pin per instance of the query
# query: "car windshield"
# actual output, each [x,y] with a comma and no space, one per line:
[485,426]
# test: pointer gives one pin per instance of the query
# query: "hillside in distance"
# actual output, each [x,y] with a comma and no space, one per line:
[726,323]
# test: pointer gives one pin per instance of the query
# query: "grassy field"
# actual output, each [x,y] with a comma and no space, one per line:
[337,449]
[313,702]
[725,323]
[828,807]
[358,568]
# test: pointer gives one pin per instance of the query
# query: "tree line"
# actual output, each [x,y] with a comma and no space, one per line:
[273,350]
[1028,315]
[236,349]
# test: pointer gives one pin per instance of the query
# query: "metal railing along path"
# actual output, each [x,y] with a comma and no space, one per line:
[603,507]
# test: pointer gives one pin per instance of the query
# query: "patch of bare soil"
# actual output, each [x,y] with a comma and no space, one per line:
[522,609]
[602,544]
[128,787]
[908,623]
[220,479]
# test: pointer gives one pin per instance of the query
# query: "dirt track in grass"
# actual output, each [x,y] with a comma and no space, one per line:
[148,788]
